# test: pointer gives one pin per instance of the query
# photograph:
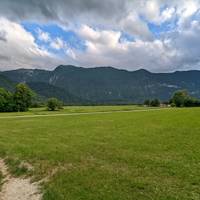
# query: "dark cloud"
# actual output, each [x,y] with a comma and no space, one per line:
[63,10]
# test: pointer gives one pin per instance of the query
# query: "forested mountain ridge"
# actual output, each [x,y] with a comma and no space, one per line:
[105,84]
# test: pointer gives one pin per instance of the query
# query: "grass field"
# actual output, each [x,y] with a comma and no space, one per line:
[76,109]
[110,156]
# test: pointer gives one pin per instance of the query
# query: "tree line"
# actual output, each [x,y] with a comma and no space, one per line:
[22,99]
[180,98]
[18,101]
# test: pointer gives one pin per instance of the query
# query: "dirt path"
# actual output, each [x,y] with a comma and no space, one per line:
[17,188]
[83,113]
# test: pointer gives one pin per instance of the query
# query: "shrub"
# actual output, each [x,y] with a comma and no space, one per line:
[155,103]
[54,104]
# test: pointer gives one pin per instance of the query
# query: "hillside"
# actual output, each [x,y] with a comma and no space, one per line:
[6,83]
[47,91]
[106,84]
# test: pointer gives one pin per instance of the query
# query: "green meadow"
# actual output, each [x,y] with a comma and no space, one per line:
[107,154]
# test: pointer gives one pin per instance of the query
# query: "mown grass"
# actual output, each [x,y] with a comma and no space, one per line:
[16,167]
[75,109]
[140,155]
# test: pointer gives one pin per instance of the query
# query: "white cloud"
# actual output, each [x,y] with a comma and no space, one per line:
[186,41]
[106,20]
[105,48]
[57,44]
[167,14]
[188,8]
[152,10]
[134,26]
[103,37]
[153,13]
[20,50]
[178,50]
[43,36]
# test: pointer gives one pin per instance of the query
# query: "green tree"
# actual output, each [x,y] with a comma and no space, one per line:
[191,102]
[6,101]
[147,102]
[22,97]
[54,104]
[155,103]
[180,97]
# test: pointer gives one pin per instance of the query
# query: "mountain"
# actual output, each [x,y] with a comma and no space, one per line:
[105,84]
[47,91]
[42,88]
[6,83]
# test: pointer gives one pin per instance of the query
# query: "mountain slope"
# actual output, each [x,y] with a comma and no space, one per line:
[6,83]
[109,85]
[47,91]
[37,80]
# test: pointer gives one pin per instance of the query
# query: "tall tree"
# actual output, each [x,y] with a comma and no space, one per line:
[22,97]
[6,101]
[180,97]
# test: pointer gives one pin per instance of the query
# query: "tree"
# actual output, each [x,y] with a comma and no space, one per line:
[54,104]
[22,97]
[147,102]
[6,101]
[155,103]
[191,102]
[180,98]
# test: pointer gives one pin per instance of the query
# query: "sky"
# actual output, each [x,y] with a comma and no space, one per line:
[156,35]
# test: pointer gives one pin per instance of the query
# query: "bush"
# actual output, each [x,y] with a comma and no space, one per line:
[54,104]
[155,103]
[173,105]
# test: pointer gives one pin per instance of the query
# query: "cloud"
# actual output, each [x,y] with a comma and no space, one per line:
[4,58]
[158,12]
[61,10]
[104,37]
[3,36]
[177,51]
[105,48]
[57,44]
[43,36]
[101,25]
[133,25]
[188,8]
[68,13]
[186,42]
[94,13]
[20,49]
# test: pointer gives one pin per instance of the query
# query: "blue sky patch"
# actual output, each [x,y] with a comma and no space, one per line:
[71,38]
[159,29]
